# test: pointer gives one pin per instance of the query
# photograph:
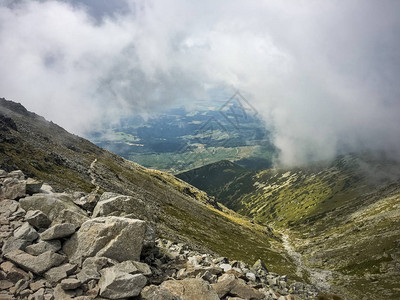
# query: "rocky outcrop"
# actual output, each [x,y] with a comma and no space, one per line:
[36,264]
[112,257]
[14,185]
[106,236]
[52,205]
[118,282]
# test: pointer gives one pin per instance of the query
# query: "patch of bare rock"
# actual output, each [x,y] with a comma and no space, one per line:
[76,246]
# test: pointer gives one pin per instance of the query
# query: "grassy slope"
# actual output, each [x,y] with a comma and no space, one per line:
[210,178]
[44,150]
[343,217]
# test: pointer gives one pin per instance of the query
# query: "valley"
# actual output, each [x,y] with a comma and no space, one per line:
[339,220]
[179,139]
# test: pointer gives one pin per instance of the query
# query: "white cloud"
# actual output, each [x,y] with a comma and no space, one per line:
[323,73]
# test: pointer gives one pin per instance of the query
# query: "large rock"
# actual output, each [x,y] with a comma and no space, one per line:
[50,204]
[116,284]
[113,237]
[190,289]
[61,294]
[43,246]
[3,174]
[58,231]
[14,188]
[70,284]
[69,216]
[36,264]
[88,202]
[7,207]
[13,273]
[138,267]
[13,243]
[37,219]
[260,268]
[119,205]
[55,275]
[17,174]
[33,186]
[154,292]
[229,284]
[132,267]
[26,232]
[91,268]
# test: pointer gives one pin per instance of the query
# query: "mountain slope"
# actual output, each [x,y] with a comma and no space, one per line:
[210,178]
[342,217]
[44,150]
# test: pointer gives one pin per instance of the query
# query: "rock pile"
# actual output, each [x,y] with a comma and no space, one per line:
[76,246]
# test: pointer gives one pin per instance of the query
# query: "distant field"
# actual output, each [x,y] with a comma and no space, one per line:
[179,140]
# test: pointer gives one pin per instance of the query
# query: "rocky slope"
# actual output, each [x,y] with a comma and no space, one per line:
[78,246]
[339,221]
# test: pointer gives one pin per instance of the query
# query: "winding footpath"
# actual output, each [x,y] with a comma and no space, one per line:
[92,176]
[319,277]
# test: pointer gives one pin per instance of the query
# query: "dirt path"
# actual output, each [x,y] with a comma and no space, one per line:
[319,277]
[92,176]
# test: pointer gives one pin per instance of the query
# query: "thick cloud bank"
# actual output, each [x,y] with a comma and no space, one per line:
[324,74]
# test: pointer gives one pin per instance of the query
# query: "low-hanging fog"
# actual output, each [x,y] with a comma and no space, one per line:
[325,75]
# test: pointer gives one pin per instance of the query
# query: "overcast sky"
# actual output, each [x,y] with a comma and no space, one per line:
[324,74]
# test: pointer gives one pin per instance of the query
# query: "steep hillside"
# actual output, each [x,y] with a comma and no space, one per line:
[339,221]
[212,177]
[181,212]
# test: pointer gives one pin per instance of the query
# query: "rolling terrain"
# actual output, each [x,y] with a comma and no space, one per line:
[339,221]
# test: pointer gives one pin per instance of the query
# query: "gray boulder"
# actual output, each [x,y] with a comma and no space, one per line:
[132,267]
[36,264]
[58,231]
[55,275]
[91,268]
[61,294]
[120,205]
[50,204]
[43,246]
[14,188]
[3,174]
[13,243]
[88,202]
[12,273]
[116,284]
[26,232]
[70,284]
[190,289]
[260,268]
[229,284]
[8,207]
[46,189]
[33,186]
[70,216]
[113,237]
[17,174]
[154,292]
[37,219]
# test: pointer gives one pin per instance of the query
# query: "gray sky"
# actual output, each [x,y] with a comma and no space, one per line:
[324,74]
